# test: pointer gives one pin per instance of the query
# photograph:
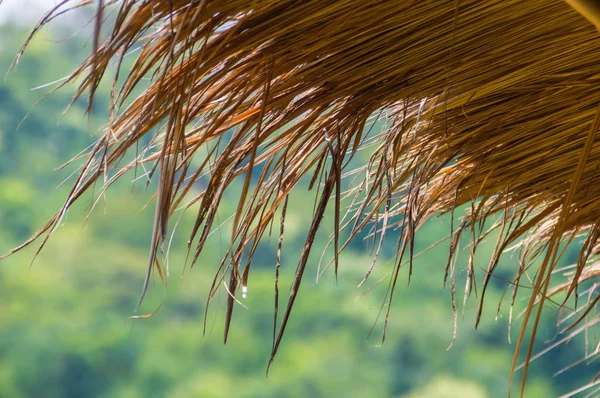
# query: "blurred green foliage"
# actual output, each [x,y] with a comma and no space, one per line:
[64,326]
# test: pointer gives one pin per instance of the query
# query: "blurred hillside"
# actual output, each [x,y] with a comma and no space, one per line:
[64,326]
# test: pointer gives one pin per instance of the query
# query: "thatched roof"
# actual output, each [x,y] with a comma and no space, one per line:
[490,103]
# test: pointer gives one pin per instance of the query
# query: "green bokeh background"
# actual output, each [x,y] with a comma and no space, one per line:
[65,329]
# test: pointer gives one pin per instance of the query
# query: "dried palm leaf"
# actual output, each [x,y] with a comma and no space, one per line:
[491,103]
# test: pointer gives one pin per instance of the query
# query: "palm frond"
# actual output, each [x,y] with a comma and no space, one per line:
[490,103]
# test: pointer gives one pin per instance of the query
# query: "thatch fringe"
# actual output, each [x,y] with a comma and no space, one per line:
[492,103]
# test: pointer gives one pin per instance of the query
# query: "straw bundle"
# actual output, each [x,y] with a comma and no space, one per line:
[493,103]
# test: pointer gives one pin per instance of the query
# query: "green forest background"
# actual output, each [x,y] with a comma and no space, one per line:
[64,321]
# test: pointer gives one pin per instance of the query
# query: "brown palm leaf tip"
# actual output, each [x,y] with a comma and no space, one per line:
[493,103]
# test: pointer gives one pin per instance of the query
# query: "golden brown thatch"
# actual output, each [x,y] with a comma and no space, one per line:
[492,102]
